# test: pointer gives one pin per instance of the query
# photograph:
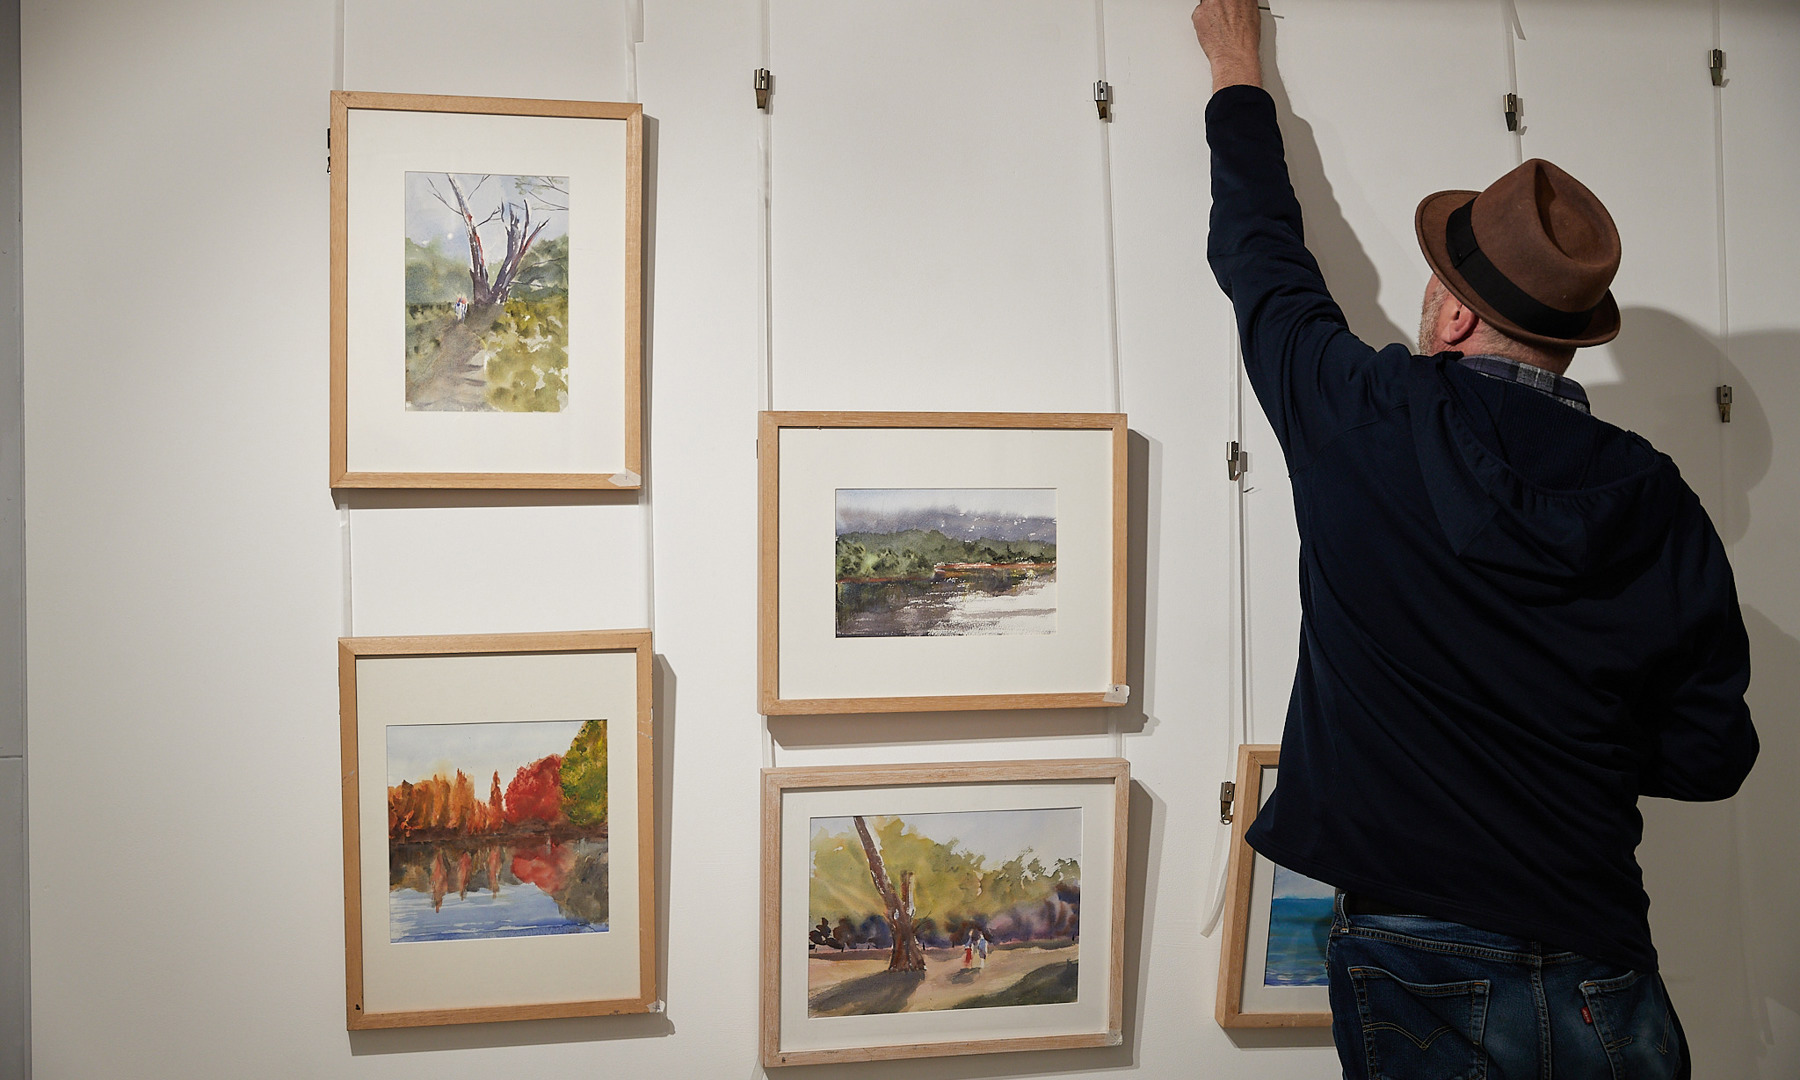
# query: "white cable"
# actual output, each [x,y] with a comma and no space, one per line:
[346,580]
[346,602]
[634,37]
[1115,733]
[1238,731]
[337,57]
[766,344]
[1731,528]
[1515,33]
[646,496]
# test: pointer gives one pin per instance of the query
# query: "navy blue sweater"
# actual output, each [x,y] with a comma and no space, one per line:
[1516,618]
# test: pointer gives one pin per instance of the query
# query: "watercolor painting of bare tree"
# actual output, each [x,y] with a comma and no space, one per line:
[487,292]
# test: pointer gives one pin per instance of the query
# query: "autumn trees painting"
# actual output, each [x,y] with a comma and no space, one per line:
[544,828]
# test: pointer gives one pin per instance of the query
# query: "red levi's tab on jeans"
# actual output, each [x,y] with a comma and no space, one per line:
[1587,1017]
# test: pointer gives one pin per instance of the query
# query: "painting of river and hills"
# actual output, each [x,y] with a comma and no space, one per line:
[496,830]
[1299,923]
[922,912]
[941,562]
[487,292]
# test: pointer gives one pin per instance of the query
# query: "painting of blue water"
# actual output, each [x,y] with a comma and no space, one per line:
[460,889]
[1299,921]
[516,913]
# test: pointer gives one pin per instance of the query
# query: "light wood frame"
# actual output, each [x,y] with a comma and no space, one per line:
[778,781]
[636,641]
[630,478]
[770,700]
[1228,1007]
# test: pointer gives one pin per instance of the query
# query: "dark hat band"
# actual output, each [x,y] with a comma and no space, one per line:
[1525,311]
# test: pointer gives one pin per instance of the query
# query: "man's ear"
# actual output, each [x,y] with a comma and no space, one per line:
[1458,322]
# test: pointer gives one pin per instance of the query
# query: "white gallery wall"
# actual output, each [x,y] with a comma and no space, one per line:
[931,217]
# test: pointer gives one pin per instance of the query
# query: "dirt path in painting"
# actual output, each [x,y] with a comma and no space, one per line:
[452,379]
[858,983]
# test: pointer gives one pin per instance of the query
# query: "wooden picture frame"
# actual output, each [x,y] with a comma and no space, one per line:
[555,926]
[1251,995]
[821,473]
[542,396]
[1035,996]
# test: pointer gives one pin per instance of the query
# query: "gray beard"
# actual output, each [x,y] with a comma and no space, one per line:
[1428,321]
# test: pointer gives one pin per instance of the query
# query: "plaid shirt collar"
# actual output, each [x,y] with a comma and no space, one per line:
[1567,391]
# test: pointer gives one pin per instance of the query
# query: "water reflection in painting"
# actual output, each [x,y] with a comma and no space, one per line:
[939,562]
[530,858]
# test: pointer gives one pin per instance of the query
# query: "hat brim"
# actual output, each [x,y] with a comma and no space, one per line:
[1430,221]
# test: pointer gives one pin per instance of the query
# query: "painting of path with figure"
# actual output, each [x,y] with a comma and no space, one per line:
[487,292]
[941,562]
[923,912]
[496,830]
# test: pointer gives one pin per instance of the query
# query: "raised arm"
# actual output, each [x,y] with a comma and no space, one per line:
[1313,378]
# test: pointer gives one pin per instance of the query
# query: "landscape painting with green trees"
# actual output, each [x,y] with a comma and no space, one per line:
[528,857]
[920,912]
[487,292]
[938,562]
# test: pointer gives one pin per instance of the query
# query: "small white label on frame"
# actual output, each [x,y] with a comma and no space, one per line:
[1118,695]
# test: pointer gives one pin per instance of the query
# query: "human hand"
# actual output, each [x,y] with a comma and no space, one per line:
[1230,33]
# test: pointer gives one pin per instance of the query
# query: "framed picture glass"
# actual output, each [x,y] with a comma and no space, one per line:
[498,835]
[1272,971]
[486,272]
[921,561]
[929,910]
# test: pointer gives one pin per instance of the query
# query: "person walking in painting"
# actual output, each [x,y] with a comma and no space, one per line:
[969,949]
[981,949]
[1516,620]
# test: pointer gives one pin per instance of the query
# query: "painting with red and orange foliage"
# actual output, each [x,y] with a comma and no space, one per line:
[496,830]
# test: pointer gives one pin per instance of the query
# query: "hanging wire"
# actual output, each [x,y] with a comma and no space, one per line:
[1718,103]
[347,604]
[647,491]
[1115,733]
[766,344]
[1238,729]
[1515,33]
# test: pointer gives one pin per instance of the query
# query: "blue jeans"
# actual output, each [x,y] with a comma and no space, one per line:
[1416,998]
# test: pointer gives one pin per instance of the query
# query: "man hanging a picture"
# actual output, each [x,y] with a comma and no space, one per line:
[1517,619]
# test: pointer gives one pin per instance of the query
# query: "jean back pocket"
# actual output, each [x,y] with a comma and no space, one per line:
[1635,1025]
[1421,1029]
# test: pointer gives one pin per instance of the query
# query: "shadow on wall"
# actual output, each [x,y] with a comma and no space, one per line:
[1355,284]
[1770,845]
[1660,396]
[1721,876]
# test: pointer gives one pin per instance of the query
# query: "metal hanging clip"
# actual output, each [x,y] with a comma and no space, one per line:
[1103,98]
[764,82]
[1234,461]
[1715,63]
[1724,398]
[1510,105]
[1227,796]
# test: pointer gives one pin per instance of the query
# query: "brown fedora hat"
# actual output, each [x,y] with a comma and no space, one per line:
[1533,255]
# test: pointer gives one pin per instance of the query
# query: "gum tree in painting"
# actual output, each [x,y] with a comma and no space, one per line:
[897,907]
[937,911]
[487,292]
